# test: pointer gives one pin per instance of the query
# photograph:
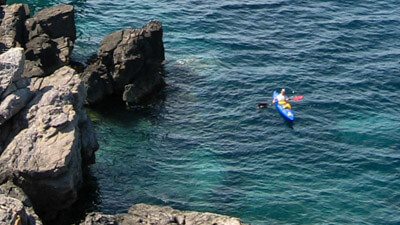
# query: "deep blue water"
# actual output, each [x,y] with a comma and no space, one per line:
[207,147]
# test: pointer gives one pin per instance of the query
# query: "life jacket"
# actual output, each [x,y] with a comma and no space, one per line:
[282,102]
[287,106]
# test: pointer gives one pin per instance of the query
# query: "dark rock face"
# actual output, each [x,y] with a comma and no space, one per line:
[127,65]
[57,21]
[141,214]
[50,36]
[12,28]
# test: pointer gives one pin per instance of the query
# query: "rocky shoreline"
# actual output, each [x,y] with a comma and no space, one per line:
[46,137]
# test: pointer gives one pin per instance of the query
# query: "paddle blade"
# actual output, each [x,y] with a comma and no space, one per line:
[297,98]
[262,105]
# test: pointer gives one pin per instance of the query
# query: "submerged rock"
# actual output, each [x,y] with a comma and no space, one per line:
[127,65]
[160,215]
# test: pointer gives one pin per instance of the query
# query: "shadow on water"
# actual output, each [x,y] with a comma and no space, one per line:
[289,123]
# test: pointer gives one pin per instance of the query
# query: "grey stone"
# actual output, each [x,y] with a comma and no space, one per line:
[12,26]
[100,219]
[98,82]
[57,21]
[33,69]
[11,67]
[141,214]
[10,190]
[44,157]
[50,40]
[131,59]
[13,103]
[12,211]
[46,54]
[45,160]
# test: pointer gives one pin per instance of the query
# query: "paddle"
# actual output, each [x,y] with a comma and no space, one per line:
[294,98]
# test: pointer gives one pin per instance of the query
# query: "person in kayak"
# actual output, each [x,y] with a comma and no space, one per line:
[282,100]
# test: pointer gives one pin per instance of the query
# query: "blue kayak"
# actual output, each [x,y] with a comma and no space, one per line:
[286,113]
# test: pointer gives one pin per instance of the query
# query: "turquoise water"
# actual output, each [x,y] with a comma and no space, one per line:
[207,147]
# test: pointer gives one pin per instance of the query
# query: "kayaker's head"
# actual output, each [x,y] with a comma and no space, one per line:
[283,91]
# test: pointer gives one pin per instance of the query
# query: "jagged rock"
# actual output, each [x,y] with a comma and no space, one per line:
[12,211]
[45,156]
[98,82]
[51,35]
[57,21]
[100,219]
[13,103]
[138,90]
[13,94]
[11,68]
[127,57]
[141,214]
[163,215]
[10,190]
[12,27]
[67,77]
[33,69]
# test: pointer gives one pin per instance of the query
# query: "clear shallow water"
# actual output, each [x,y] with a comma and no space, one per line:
[207,147]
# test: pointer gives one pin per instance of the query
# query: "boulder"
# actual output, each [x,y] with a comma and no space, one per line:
[13,92]
[12,28]
[129,60]
[57,21]
[8,189]
[98,82]
[12,211]
[33,69]
[44,159]
[141,214]
[13,103]
[100,219]
[45,156]
[11,68]
[50,36]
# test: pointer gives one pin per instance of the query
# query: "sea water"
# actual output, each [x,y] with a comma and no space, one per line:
[205,146]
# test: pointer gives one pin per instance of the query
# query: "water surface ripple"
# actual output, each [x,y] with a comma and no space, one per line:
[207,147]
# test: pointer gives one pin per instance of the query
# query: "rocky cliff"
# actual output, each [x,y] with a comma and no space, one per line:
[46,138]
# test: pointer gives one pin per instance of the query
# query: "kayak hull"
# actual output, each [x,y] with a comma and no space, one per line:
[286,113]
